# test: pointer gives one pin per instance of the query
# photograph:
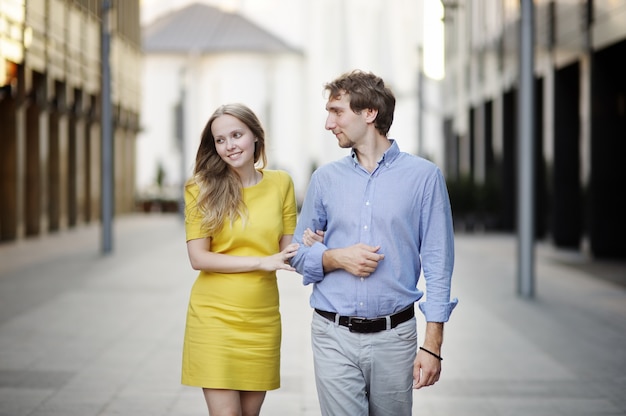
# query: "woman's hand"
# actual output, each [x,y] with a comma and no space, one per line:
[309,237]
[280,261]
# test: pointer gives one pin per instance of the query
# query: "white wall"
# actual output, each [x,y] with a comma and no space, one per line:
[156,143]
[269,86]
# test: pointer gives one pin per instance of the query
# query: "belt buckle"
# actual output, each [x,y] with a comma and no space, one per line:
[360,325]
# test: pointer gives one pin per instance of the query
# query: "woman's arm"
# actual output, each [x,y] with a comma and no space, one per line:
[285,240]
[202,258]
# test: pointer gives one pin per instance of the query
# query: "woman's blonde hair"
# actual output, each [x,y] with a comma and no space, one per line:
[220,195]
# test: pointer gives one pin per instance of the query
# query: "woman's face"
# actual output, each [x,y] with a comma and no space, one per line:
[234,141]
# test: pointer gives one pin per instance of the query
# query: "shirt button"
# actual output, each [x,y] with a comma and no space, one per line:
[362,279]
[365,227]
[360,303]
[367,203]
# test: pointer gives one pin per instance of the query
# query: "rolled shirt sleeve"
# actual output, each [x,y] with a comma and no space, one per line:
[438,311]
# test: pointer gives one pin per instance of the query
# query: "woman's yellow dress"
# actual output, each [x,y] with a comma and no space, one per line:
[233,330]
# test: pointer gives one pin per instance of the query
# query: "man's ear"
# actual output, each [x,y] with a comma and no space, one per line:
[370,115]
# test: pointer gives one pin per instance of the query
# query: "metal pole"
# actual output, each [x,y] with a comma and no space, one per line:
[420,103]
[106,132]
[180,136]
[526,122]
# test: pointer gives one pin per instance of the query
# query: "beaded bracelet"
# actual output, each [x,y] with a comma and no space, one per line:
[432,353]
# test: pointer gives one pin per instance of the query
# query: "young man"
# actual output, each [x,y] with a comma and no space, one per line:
[385,217]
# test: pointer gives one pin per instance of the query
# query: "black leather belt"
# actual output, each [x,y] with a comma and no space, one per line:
[366,326]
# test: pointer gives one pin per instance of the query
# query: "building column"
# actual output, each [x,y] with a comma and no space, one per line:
[8,165]
[566,184]
[607,207]
[36,156]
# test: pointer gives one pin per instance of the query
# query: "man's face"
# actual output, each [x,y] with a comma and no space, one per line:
[347,126]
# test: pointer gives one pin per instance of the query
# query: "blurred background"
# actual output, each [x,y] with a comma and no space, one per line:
[102,103]
[453,66]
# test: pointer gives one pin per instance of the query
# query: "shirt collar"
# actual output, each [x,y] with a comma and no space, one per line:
[388,157]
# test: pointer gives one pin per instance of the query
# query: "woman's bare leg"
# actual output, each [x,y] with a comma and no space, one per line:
[222,402]
[233,402]
[251,402]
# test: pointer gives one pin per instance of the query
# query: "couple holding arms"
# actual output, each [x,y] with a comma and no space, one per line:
[370,224]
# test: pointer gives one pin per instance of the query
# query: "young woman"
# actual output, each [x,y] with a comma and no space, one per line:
[239,220]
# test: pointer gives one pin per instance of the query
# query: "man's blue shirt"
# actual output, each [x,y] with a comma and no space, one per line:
[403,206]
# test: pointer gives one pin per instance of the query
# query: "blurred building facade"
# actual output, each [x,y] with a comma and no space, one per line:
[279,72]
[579,113]
[50,102]
[196,58]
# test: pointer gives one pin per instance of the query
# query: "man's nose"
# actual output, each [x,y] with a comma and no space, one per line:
[330,123]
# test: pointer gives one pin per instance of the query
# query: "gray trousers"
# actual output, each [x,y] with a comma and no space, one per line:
[363,374]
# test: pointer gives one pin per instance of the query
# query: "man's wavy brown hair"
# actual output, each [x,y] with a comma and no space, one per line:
[366,90]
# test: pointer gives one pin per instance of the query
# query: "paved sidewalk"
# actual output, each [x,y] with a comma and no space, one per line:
[82,334]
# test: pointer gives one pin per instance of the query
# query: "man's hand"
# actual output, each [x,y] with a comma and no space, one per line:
[360,259]
[309,237]
[427,367]
[426,370]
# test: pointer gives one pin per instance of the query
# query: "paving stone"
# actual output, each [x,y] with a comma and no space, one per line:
[84,334]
